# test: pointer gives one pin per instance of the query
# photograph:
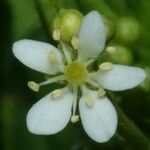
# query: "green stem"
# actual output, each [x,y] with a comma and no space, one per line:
[131,132]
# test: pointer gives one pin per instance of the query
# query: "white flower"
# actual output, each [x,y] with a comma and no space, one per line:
[53,112]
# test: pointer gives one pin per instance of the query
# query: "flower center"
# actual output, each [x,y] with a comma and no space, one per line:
[75,73]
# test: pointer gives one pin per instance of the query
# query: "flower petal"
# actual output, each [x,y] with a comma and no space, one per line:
[99,121]
[35,55]
[120,77]
[48,115]
[91,36]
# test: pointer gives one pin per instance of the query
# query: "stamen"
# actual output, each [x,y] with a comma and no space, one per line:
[54,79]
[53,57]
[105,66]
[75,93]
[56,34]
[56,94]
[33,86]
[67,55]
[91,74]
[88,62]
[75,118]
[89,101]
[111,49]
[75,42]
[101,92]
[92,82]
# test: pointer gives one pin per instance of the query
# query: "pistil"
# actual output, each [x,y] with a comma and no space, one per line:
[76,73]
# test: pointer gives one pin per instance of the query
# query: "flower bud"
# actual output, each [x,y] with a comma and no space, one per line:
[68,22]
[122,55]
[110,28]
[128,30]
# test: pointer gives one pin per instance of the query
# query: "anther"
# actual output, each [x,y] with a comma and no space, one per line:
[111,49]
[56,94]
[101,92]
[105,66]
[89,101]
[75,42]
[56,34]
[74,118]
[52,56]
[33,86]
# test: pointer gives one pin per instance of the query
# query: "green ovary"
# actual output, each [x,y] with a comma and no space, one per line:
[76,73]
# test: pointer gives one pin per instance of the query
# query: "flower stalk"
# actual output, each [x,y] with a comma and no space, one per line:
[131,132]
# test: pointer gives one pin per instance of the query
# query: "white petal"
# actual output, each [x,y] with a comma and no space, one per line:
[91,36]
[120,77]
[99,121]
[49,116]
[35,55]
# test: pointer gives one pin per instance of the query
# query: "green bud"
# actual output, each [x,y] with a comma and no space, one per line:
[128,30]
[122,55]
[110,28]
[68,22]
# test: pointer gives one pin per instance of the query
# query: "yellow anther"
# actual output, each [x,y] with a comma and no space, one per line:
[111,49]
[56,94]
[105,66]
[89,101]
[101,92]
[75,118]
[52,56]
[56,34]
[75,42]
[33,86]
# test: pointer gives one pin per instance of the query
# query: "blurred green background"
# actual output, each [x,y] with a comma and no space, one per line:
[30,19]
